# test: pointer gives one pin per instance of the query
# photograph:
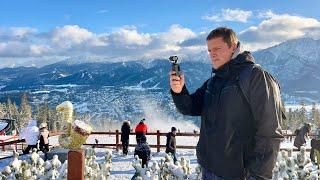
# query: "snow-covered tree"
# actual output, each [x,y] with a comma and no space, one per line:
[12,112]
[25,111]
[49,116]
[315,116]
[3,110]
[303,118]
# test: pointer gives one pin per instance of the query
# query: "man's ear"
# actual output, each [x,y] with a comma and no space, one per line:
[234,47]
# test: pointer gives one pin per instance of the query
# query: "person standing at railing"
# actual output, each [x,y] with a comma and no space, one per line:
[31,135]
[125,133]
[240,108]
[315,147]
[141,130]
[302,135]
[171,143]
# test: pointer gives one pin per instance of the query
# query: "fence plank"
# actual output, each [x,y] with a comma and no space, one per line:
[158,141]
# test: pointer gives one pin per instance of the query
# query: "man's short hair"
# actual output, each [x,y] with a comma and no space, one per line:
[227,34]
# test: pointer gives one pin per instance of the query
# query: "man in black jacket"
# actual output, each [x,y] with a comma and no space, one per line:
[240,109]
[171,143]
[125,133]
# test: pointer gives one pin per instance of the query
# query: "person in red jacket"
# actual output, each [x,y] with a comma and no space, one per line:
[141,130]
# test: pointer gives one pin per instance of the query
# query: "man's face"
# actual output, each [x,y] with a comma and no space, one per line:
[219,51]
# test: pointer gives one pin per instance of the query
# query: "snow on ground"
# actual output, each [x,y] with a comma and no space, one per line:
[121,165]
[122,168]
[3,125]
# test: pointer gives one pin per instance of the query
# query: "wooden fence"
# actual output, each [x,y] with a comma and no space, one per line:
[20,143]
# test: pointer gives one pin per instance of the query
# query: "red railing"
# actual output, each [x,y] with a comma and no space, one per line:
[14,137]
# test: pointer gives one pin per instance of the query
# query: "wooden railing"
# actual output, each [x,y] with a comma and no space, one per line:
[117,144]
[157,146]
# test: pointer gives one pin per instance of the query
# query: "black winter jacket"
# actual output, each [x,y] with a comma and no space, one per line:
[171,143]
[237,138]
[125,132]
[142,149]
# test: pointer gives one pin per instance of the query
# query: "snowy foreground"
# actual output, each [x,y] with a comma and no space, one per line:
[122,165]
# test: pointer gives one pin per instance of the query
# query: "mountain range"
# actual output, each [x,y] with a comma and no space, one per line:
[295,63]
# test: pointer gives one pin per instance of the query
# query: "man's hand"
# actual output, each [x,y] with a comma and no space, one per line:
[176,82]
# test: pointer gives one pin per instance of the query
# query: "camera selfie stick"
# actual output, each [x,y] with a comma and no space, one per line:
[175,65]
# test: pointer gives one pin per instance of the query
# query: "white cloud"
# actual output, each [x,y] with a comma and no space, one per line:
[128,43]
[15,49]
[39,49]
[279,28]
[177,34]
[16,33]
[236,15]
[265,14]
[125,43]
[71,35]
[130,36]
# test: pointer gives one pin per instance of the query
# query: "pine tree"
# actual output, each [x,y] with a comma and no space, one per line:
[3,110]
[290,119]
[303,118]
[296,121]
[315,114]
[12,112]
[46,115]
[59,121]
[51,120]
[41,114]
[25,111]
[285,122]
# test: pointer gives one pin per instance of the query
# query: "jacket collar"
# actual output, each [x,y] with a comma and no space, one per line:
[238,59]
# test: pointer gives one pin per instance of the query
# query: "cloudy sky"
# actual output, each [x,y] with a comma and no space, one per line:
[34,33]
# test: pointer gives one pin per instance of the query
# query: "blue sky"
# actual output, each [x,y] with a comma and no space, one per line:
[42,32]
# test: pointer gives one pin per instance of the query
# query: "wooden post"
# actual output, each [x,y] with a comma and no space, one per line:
[2,146]
[76,164]
[16,146]
[117,140]
[158,141]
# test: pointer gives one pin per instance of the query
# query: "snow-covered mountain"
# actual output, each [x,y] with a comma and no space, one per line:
[296,64]
[127,86]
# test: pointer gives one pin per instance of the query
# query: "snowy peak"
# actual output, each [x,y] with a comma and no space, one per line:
[295,63]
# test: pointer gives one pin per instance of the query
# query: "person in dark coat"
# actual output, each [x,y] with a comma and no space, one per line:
[141,130]
[241,112]
[302,134]
[315,147]
[125,132]
[171,143]
[143,151]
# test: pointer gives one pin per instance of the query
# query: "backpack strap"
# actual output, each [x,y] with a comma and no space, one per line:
[244,80]
[244,84]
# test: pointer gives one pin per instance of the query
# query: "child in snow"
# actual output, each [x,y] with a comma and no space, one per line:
[143,151]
